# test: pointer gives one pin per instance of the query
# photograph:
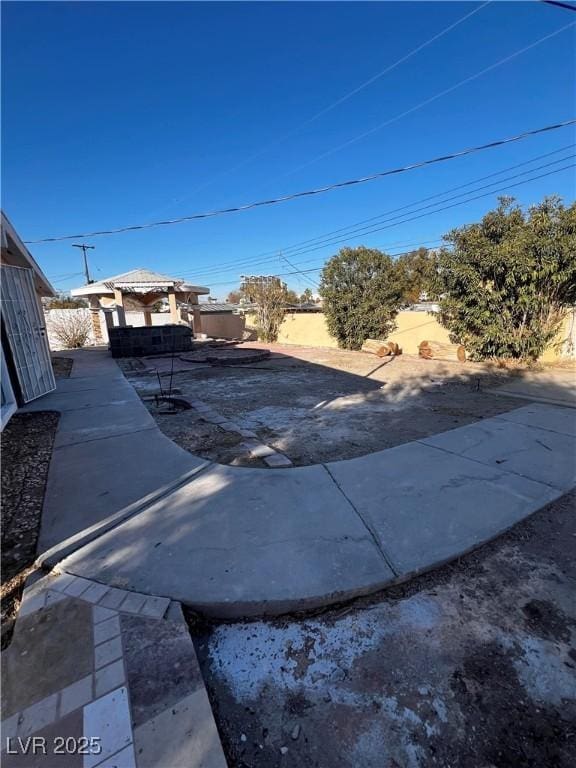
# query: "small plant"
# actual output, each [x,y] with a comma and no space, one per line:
[71,327]
[270,295]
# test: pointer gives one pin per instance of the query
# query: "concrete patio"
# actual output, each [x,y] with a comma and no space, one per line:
[234,542]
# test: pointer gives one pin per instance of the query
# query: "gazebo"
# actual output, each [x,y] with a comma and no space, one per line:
[140,289]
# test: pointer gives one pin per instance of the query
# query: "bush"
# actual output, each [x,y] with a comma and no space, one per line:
[362,290]
[270,295]
[508,281]
[72,327]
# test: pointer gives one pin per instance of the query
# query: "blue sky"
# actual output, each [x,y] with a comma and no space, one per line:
[123,113]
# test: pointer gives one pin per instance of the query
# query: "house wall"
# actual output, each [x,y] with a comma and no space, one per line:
[308,329]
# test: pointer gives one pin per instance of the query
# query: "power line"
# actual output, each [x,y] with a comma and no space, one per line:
[560,5]
[437,210]
[431,197]
[363,230]
[429,213]
[424,103]
[307,279]
[312,192]
[351,228]
[338,101]
[251,264]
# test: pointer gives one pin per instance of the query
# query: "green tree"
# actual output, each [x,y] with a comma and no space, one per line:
[234,297]
[507,282]
[291,297]
[362,291]
[307,296]
[269,294]
[64,301]
[418,272]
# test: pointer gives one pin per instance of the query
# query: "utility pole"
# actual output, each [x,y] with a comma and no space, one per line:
[84,249]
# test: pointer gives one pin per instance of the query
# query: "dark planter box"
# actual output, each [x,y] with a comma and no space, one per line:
[138,342]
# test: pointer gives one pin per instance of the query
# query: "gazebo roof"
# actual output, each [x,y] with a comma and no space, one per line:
[139,280]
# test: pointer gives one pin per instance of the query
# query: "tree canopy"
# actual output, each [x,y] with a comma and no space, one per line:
[270,295]
[417,270]
[507,282]
[362,291]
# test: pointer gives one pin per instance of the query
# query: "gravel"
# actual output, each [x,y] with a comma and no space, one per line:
[27,443]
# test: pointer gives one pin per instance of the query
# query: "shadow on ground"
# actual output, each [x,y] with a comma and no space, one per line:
[322,405]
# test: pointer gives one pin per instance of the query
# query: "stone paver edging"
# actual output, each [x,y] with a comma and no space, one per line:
[99,677]
[234,542]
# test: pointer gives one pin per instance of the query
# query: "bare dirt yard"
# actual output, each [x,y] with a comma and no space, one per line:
[471,666]
[317,405]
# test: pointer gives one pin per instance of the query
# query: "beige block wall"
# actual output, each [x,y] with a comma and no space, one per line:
[309,330]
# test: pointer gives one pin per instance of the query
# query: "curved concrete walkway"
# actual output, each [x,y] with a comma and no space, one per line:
[234,542]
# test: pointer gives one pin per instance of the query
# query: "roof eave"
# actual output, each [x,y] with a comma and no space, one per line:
[43,285]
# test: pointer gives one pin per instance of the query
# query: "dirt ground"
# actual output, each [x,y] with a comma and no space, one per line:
[318,405]
[471,666]
[62,366]
[27,444]
[26,450]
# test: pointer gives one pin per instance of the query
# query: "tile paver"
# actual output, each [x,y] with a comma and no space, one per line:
[110,677]
[155,607]
[106,630]
[109,717]
[76,587]
[133,602]
[107,652]
[101,614]
[95,592]
[37,716]
[123,759]
[76,695]
[113,598]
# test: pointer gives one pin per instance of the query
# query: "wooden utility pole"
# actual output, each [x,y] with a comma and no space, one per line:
[84,249]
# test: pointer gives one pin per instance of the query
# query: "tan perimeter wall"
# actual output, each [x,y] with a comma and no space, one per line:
[308,329]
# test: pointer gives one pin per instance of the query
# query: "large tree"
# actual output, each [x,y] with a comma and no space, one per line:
[418,272]
[362,292]
[507,282]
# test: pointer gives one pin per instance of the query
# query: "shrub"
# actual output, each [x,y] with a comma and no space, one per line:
[270,295]
[362,290]
[508,281]
[71,327]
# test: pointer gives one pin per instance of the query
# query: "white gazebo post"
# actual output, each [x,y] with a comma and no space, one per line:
[119,299]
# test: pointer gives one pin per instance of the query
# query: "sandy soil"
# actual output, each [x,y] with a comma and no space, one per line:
[473,665]
[316,405]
